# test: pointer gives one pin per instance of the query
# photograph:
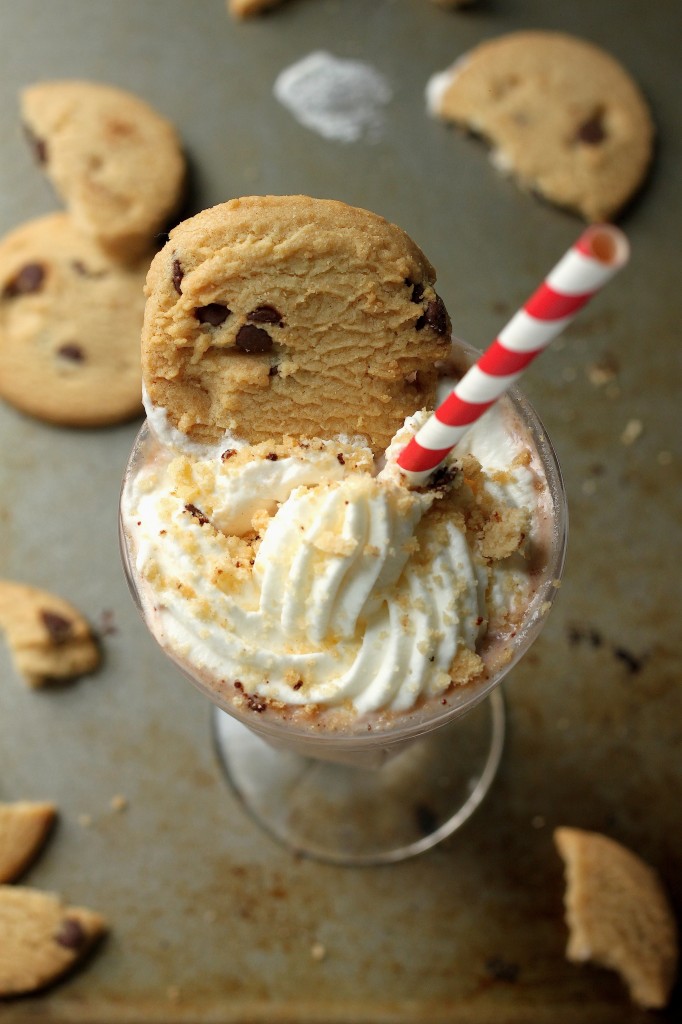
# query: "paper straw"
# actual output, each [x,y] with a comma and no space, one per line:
[592,261]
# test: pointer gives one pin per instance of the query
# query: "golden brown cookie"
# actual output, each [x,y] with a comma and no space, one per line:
[247,8]
[49,639]
[276,315]
[70,320]
[24,827]
[563,117]
[117,164]
[41,938]
[618,914]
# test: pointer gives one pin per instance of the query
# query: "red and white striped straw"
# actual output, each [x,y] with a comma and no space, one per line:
[592,261]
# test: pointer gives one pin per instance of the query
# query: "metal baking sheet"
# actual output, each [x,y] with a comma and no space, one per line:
[211,920]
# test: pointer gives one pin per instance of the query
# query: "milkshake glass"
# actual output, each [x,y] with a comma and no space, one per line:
[377,788]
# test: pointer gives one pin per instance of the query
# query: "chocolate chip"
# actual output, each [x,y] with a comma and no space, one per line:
[253,339]
[197,513]
[417,292]
[228,453]
[256,703]
[74,353]
[272,457]
[273,371]
[26,282]
[341,459]
[265,315]
[70,934]
[441,478]
[501,970]
[427,821]
[214,314]
[420,324]
[298,685]
[81,269]
[162,238]
[178,274]
[57,626]
[592,131]
[436,315]
[38,145]
[630,660]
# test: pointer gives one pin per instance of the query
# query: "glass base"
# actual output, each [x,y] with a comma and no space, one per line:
[348,815]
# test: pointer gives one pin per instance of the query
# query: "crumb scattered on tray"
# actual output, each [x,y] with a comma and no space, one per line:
[633,430]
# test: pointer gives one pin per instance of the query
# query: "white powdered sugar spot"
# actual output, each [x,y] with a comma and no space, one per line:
[338,99]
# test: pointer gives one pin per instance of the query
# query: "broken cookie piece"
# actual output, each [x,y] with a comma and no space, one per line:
[117,163]
[248,8]
[618,915]
[41,938]
[562,116]
[24,827]
[48,638]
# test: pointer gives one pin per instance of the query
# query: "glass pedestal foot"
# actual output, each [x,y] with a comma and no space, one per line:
[349,815]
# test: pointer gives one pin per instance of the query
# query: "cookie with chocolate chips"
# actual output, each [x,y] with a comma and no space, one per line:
[49,639]
[116,163]
[275,315]
[562,116]
[42,938]
[70,320]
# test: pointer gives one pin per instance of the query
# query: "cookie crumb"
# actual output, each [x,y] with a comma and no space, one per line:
[318,952]
[118,803]
[633,430]
[603,371]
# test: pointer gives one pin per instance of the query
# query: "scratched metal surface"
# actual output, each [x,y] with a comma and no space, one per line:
[210,919]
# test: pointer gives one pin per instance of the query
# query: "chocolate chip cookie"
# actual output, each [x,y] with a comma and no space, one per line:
[49,639]
[563,117]
[41,938]
[70,320]
[275,315]
[116,163]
